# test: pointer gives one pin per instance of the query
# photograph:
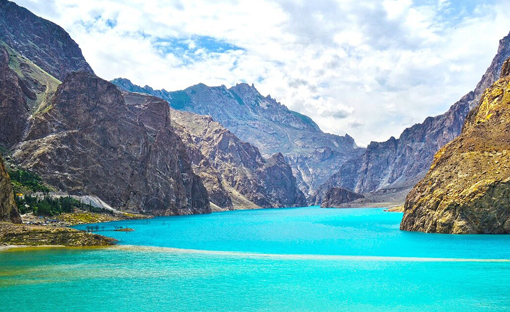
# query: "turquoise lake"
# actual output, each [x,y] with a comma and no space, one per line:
[300,259]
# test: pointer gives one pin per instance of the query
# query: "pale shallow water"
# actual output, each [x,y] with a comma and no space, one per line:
[305,259]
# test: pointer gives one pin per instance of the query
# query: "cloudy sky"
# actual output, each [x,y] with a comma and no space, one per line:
[367,68]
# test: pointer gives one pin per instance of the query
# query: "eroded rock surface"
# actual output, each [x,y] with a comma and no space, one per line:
[467,189]
[335,197]
[91,142]
[266,124]
[8,209]
[43,42]
[235,174]
[398,164]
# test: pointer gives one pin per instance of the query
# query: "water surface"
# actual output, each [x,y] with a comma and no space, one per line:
[305,259]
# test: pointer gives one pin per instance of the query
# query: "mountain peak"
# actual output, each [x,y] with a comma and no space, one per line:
[48,45]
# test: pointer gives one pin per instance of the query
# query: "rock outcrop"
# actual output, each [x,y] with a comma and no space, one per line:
[335,197]
[89,141]
[467,189]
[14,110]
[266,124]
[234,172]
[33,235]
[400,163]
[8,210]
[43,42]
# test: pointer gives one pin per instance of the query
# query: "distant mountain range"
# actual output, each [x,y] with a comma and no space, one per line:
[123,143]
[85,137]
[323,161]
[398,164]
[267,124]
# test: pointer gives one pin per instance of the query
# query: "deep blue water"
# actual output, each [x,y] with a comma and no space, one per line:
[304,259]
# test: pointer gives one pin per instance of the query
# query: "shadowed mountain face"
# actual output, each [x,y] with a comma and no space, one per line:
[46,44]
[234,172]
[90,141]
[400,163]
[81,136]
[467,189]
[267,124]
[8,210]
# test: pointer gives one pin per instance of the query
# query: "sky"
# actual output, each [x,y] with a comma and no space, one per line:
[368,68]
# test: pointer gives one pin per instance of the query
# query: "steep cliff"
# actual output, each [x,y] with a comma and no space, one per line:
[267,124]
[234,172]
[400,163]
[335,197]
[25,89]
[8,209]
[90,141]
[467,189]
[43,42]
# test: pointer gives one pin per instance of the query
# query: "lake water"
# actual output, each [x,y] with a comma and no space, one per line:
[302,259]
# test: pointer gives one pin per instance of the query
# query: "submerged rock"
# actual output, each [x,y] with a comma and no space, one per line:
[467,189]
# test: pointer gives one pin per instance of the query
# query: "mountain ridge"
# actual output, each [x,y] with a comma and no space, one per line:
[400,163]
[265,123]
[467,188]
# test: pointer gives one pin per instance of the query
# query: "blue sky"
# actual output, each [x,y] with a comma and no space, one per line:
[367,68]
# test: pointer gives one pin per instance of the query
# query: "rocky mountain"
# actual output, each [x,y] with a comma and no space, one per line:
[467,189]
[43,42]
[267,124]
[234,172]
[398,164]
[8,209]
[335,197]
[24,89]
[91,141]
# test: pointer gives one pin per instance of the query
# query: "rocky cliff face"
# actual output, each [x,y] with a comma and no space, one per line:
[267,124]
[467,189]
[43,42]
[234,172]
[8,209]
[90,140]
[14,111]
[400,163]
[335,197]
[25,89]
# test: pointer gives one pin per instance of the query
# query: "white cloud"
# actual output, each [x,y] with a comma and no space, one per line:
[367,68]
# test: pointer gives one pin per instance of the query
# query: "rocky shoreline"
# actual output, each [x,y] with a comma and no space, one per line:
[37,235]
[55,232]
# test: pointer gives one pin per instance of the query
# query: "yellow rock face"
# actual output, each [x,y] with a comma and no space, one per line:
[467,189]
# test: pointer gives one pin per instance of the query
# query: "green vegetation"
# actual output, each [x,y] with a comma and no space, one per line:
[52,206]
[45,206]
[26,182]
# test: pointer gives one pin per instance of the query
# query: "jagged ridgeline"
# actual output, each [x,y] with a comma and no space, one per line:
[266,124]
[79,135]
[83,136]
[396,165]
[234,172]
[467,189]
